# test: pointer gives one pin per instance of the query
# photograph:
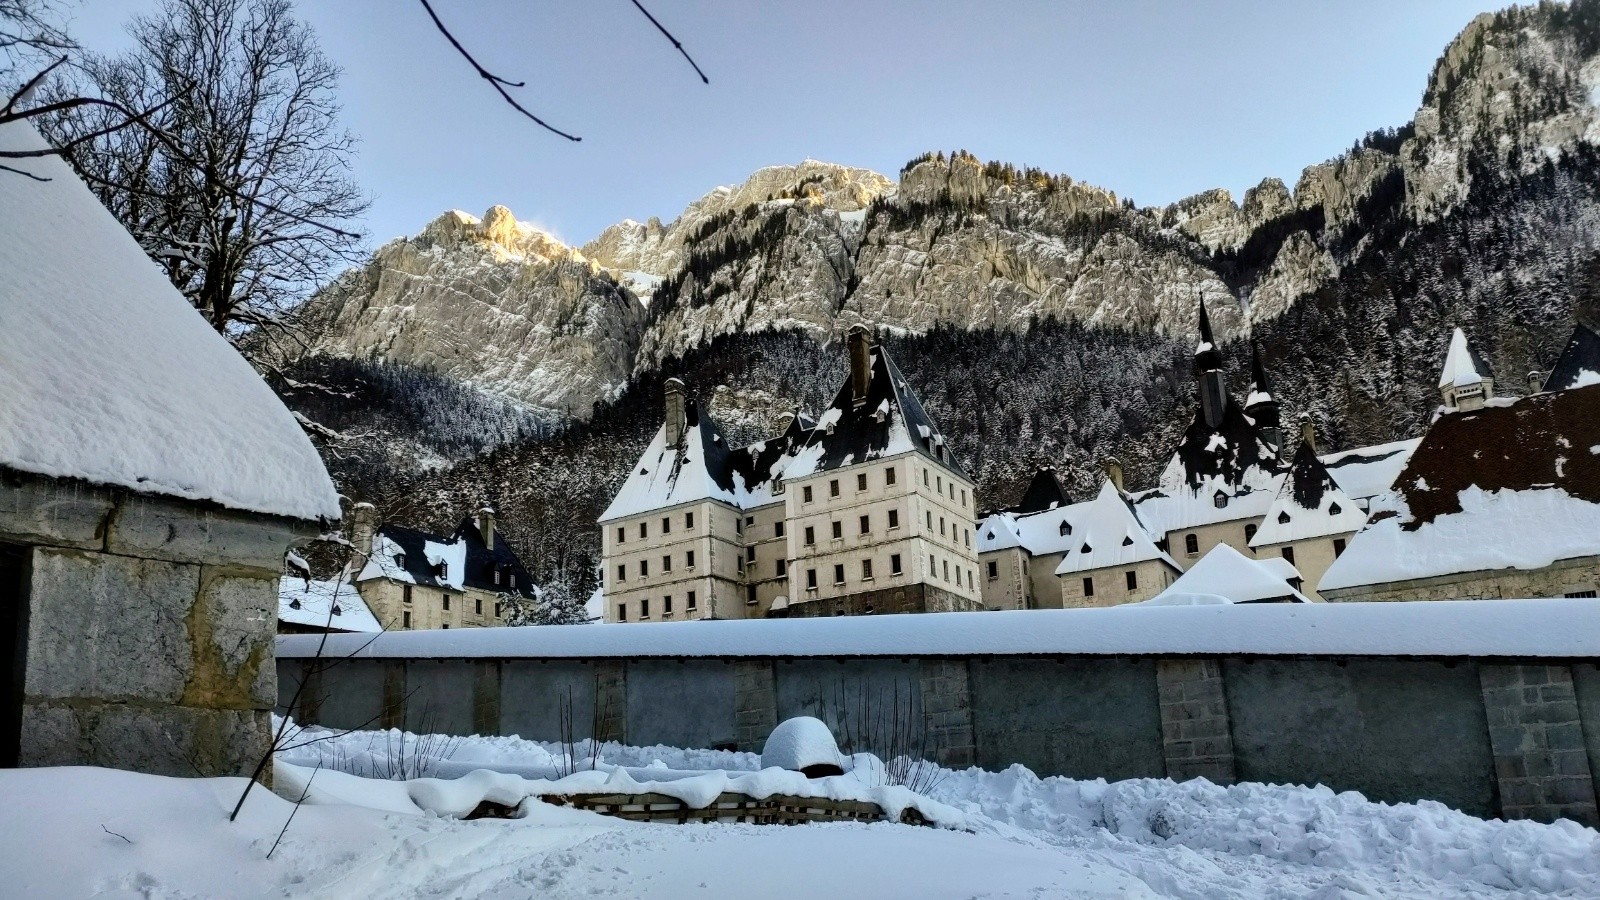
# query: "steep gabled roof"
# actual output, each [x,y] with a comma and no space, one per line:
[1579,363]
[1224,575]
[483,562]
[1260,393]
[306,603]
[697,467]
[1462,363]
[458,562]
[1502,487]
[1044,492]
[1309,504]
[1368,471]
[1234,452]
[108,375]
[888,422]
[1109,533]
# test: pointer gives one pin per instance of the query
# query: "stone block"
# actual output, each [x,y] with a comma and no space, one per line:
[110,627]
[36,510]
[153,528]
[162,740]
[232,629]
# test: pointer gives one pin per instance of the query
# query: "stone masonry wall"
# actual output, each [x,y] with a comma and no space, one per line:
[947,712]
[1196,737]
[150,628]
[1540,759]
[1562,578]
[755,699]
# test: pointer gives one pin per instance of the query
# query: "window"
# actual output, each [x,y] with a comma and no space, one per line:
[924,477]
[400,560]
[1065,529]
[994,570]
[777,529]
[1127,540]
[643,530]
[966,537]
[688,602]
[446,599]
[838,530]
[750,554]
[1577,594]
[738,525]
[405,619]
[1086,548]
[445,626]
[866,570]
[749,520]
[513,579]
[666,525]
[666,605]
[688,520]
[963,498]
[838,574]
[1338,547]
[811,579]
[1288,554]
[1334,509]
[811,536]
[496,576]
[444,570]
[477,606]
[941,526]
[750,598]
[688,559]
[938,483]
[622,612]
[405,593]
[933,566]
[1283,518]
[894,564]
[806,493]
[622,534]
[497,611]
[1219,500]
[783,568]
[1088,586]
[1191,544]
[1249,533]
[644,608]
[666,563]
[644,568]
[833,487]
[861,481]
[1133,581]
[947,570]
[866,524]
[622,571]
[894,516]
[888,475]
[930,520]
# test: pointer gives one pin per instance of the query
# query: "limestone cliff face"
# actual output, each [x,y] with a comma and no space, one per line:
[494,302]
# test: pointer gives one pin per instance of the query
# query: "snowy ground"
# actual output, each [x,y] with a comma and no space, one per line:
[1017,836]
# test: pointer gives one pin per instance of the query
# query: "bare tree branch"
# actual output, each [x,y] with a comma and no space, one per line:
[675,42]
[499,84]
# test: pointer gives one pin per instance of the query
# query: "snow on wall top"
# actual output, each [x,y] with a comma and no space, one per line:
[109,376]
[1513,486]
[1548,628]
[302,601]
[1226,573]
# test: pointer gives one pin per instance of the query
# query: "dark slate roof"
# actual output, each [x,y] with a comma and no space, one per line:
[480,561]
[848,433]
[1582,354]
[1309,477]
[1240,449]
[1206,355]
[1044,492]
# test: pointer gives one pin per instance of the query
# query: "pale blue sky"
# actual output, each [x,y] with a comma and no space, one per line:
[1153,100]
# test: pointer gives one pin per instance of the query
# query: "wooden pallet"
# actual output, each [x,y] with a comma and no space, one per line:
[728,807]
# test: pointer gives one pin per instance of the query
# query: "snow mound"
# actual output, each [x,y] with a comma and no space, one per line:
[803,744]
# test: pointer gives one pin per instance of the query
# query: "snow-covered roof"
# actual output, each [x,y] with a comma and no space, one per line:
[302,601]
[1226,575]
[1501,487]
[1579,362]
[1309,504]
[108,375]
[1550,628]
[1192,507]
[1106,532]
[1368,471]
[423,561]
[1462,364]
[998,531]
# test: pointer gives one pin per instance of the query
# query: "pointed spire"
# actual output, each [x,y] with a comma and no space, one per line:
[1208,372]
[1259,383]
[1465,382]
[1261,406]
[1206,354]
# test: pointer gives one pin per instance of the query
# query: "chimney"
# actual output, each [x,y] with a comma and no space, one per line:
[1113,467]
[1308,432]
[675,419]
[486,525]
[785,419]
[860,363]
[363,524]
[1535,381]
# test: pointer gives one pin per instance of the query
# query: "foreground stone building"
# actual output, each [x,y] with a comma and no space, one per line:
[864,510]
[150,485]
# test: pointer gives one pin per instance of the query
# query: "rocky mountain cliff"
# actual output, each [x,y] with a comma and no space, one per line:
[1043,320]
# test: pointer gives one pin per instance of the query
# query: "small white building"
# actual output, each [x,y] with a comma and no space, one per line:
[1225,575]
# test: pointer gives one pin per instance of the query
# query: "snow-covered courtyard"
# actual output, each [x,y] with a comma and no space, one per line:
[81,832]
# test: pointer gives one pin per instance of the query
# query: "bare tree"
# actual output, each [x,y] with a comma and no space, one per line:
[239,186]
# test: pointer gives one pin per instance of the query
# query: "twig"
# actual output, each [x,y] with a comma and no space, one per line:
[675,42]
[113,833]
[285,830]
[498,83]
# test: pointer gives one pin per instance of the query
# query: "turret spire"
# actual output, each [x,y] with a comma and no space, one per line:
[1261,405]
[1208,372]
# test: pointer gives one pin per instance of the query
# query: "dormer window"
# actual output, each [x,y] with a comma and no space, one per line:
[337,611]
[1127,541]
[1086,549]
[1066,528]
[444,570]
[294,604]
[1334,509]
[1283,518]
[400,560]
[496,576]
[1219,500]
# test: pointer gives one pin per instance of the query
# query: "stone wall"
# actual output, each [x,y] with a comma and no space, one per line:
[149,628]
[1503,738]
[918,597]
[1563,578]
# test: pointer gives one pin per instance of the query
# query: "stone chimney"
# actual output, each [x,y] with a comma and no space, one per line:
[860,363]
[1535,381]
[674,409]
[785,419]
[1308,432]
[486,525]
[1113,467]
[363,525]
